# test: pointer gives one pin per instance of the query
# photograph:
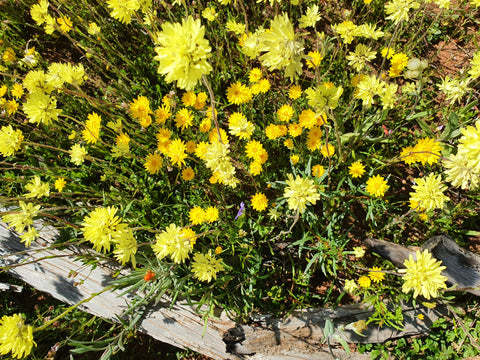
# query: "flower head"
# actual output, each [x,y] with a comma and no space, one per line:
[92,128]
[41,108]
[15,336]
[125,246]
[173,242]
[281,47]
[60,184]
[259,201]
[364,281]
[37,188]
[78,154]
[100,226]
[153,163]
[376,275]
[429,192]
[21,219]
[238,93]
[10,140]
[205,266]
[188,174]
[376,186]
[350,286]
[357,169]
[300,192]
[183,52]
[423,275]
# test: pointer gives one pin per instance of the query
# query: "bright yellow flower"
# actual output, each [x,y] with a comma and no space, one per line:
[364,281]
[376,186]
[173,242]
[36,188]
[376,275]
[100,225]
[285,112]
[295,92]
[327,150]
[17,91]
[211,214]
[183,52]
[239,126]
[357,169]
[423,275]
[10,140]
[255,75]
[238,93]
[314,58]
[65,23]
[15,336]
[196,215]
[91,133]
[188,174]
[183,119]
[41,108]
[176,152]
[318,170]
[259,201]
[60,184]
[429,192]
[153,163]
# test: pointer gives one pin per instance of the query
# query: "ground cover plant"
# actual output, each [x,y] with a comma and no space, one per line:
[235,153]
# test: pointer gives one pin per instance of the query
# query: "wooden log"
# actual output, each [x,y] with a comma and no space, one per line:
[300,336]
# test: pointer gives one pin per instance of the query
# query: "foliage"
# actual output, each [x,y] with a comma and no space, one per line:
[235,153]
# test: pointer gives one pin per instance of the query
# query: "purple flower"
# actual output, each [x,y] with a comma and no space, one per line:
[240,211]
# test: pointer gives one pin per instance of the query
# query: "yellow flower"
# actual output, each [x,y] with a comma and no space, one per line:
[238,93]
[314,58]
[78,154]
[10,140]
[183,119]
[423,275]
[364,281]
[205,266]
[318,171]
[60,184]
[300,192]
[21,219]
[282,47]
[376,186]
[259,201]
[295,92]
[123,10]
[37,188]
[189,98]
[39,12]
[183,52]
[65,23]
[357,169]
[255,75]
[288,143]
[211,214]
[153,163]
[294,159]
[30,235]
[196,215]
[173,242]
[429,192]
[358,251]
[91,133]
[140,110]
[209,13]
[11,106]
[15,336]
[99,227]
[176,152]
[307,119]
[397,10]
[41,108]
[239,126]
[218,250]
[376,275]
[469,146]
[125,246]
[459,172]
[285,112]
[310,18]
[350,286]
[327,150]
[162,114]
[17,91]
[188,174]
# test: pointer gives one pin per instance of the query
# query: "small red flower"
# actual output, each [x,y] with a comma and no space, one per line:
[150,275]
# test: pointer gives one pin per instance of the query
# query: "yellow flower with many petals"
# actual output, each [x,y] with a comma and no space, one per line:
[423,275]
[205,266]
[183,52]
[15,336]
[153,163]
[91,133]
[259,201]
[376,186]
[429,192]
[376,275]
[10,140]
[300,192]
[357,169]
